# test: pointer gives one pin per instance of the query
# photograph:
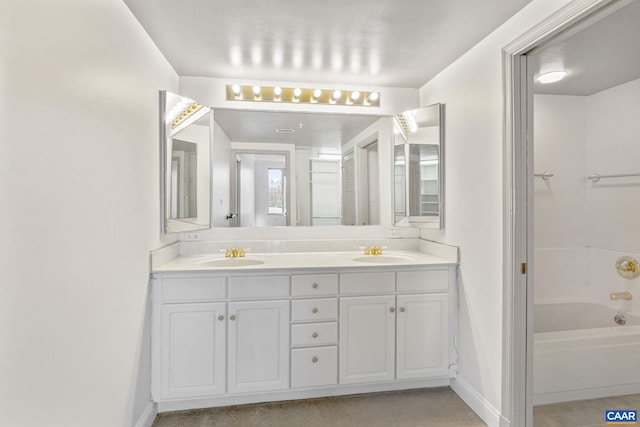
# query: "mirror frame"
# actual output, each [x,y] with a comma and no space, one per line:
[165,174]
[423,221]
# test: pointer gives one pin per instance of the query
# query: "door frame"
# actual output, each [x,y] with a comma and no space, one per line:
[517,318]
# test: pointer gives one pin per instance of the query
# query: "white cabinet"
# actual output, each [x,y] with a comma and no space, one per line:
[382,339]
[367,339]
[422,336]
[193,350]
[258,346]
[227,338]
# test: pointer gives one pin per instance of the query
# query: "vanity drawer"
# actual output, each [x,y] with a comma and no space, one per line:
[306,334]
[314,284]
[194,289]
[423,281]
[255,287]
[367,283]
[315,366]
[305,310]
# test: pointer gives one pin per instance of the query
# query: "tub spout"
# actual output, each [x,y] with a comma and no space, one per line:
[621,295]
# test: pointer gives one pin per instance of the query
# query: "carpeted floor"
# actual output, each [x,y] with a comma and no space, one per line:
[423,407]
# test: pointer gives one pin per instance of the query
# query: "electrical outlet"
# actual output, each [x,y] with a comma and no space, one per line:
[394,234]
[191,237]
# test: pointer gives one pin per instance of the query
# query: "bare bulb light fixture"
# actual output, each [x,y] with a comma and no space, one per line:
[256,93]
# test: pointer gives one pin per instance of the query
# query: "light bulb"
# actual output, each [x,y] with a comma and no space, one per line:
[236,89]
[277,91]
[317,93]
[355,95]
[551,77]
[373,96]
[297,92]
[336,94]
[256,90]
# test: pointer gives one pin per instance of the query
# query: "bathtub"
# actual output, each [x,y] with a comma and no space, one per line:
[580,352]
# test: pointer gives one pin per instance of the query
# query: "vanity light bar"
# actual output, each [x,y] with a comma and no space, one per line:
[255,93]
[180,112]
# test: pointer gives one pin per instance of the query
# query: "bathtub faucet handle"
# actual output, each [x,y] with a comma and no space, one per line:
[620,295]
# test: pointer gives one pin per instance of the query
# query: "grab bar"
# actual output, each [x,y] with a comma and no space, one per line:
[544,175]
[597,177]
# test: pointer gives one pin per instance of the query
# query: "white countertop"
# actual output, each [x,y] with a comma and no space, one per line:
[300,260]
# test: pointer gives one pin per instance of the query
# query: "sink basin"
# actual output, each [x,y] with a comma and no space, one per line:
[384,259]
[231,262]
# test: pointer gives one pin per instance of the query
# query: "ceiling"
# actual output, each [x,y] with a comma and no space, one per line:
[328,131]
[601,56]
[397,43]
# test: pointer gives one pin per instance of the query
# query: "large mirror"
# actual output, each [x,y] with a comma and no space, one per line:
[301,169]
[185,138]
[418,167]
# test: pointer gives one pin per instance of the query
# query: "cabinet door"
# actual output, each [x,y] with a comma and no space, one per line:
[422,336]
[258,346]
[367,339]
[193,350]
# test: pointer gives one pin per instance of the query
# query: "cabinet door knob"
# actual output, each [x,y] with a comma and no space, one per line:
[315,335]
[221,318]
[233,317]
[314,360]
[392,309]
[314,286]
[315,310]
[402,309]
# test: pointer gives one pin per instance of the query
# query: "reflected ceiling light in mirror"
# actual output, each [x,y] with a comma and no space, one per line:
[302,95]
[407,122]
[551,77]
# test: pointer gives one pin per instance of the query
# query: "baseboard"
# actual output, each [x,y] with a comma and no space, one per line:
[479,405]
[148,415]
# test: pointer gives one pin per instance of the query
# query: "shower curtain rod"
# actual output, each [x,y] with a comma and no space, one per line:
[597,177]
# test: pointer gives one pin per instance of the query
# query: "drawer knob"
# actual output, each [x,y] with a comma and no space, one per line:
[315,335]
[402,309]
[221,318]
[392,309]
[233,317]
[314,360]
[315,310]
[314,286]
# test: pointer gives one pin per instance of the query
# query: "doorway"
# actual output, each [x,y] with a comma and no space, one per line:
[520,188]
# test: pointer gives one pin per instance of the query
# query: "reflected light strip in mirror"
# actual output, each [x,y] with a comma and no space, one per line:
[237,92]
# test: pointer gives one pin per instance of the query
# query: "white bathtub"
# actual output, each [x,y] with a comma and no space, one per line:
[581,353]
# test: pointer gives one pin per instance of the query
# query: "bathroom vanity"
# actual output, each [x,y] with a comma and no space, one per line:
[286,326]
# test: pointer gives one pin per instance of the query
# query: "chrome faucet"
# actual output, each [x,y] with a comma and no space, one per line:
[620,295]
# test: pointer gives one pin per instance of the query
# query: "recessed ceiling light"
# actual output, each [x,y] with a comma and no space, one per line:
[551,77]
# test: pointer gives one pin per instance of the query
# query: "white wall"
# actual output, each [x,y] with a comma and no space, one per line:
[472,91]
[613,204]
[220,178]
[79,211]
[560,211]
[577,222]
